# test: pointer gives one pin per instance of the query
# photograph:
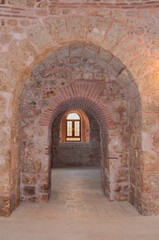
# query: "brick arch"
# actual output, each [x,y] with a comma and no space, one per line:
[79,95]
[88,97]
[85,96]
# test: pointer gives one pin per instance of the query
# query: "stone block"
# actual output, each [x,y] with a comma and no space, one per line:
[155,140]
[25,22]
[4,138]
[136,122]
[5,182]
[150,204]
[142,64]
[150,122]
[136,140]
[90,50]
[9,61]
[150,161]
[36,166]
[61,74]
[12,22]
[121,197]
[29,179]
[44,188]
[24,50]
[105,56]
[151,183]
[155,52]
[151,103]
[57,29]
[149,82]
[118,15]
[62,53]
[17,3]
[122,175]
[97,28]
[76,27]
[40,38]
[33,199]
[3,103]
[124,160]
[41,12]
[4,121]
[5,206]
[77,49]
[124,78]
[114,36]
[29,190]
[134,105]
[5,158]
[28,120]
[50,60]
[132,90]
[5,38]
[5,83]
[55,11]
[45,198]
[131,47]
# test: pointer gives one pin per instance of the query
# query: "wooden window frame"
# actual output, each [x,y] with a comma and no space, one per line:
[73,130]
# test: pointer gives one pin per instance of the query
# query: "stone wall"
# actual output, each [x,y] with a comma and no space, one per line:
[115,42]
[69,154]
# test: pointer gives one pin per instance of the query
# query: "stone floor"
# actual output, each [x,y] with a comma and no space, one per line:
[78,210]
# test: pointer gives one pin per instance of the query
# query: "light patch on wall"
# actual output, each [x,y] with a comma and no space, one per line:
[29,60]
[146,141]
[20,36]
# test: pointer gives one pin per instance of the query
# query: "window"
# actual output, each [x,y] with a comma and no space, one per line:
[73,128]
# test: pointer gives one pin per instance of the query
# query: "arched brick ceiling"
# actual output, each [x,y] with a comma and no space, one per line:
[95,108]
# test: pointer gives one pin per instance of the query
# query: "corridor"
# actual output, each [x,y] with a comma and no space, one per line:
[77,192]
[78,210]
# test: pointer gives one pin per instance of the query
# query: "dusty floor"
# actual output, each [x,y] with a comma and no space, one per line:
[78,210]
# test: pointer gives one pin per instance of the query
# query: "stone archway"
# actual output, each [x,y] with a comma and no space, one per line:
[93,81]
[90,76]
[43,145]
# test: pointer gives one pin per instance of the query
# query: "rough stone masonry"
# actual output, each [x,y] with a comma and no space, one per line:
[98,56]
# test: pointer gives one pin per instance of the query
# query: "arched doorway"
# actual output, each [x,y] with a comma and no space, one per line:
[76,158]
[107,91]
